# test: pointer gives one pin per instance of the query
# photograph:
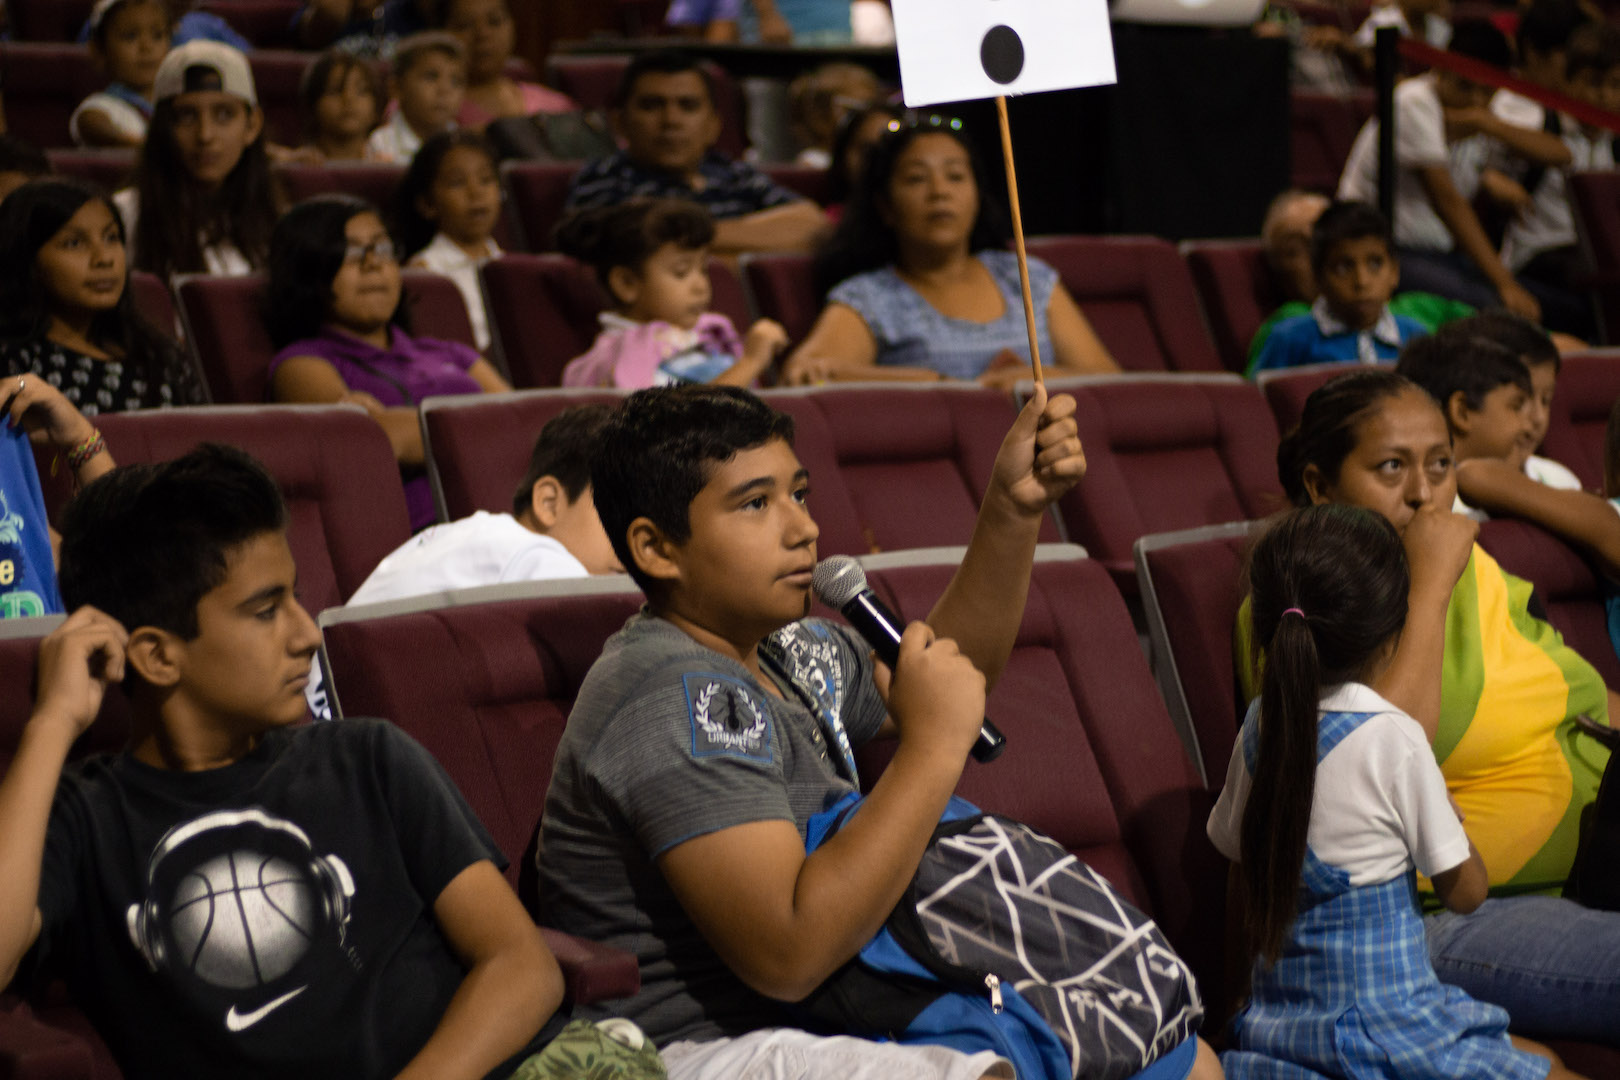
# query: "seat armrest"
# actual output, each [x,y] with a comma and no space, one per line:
[591,972]
[30,1050]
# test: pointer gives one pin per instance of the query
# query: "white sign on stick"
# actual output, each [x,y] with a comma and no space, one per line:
[960,50]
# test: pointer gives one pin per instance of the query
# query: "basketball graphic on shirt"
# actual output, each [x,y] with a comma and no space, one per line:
[241,915]
[243,919]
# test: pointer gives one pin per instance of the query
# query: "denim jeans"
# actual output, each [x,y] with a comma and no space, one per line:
[1551,963]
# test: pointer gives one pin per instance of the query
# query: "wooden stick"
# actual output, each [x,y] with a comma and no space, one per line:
[1018,236]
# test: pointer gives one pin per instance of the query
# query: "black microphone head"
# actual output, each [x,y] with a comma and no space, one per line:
[838,579]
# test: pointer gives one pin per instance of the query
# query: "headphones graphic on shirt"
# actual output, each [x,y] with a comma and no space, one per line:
[236,898]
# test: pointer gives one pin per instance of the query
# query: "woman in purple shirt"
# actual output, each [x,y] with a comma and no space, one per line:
[333,308]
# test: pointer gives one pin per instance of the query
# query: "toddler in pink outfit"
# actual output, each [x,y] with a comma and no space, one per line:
[651,256]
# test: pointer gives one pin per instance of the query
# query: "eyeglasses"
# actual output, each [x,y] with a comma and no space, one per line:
[382,247]
[926,120]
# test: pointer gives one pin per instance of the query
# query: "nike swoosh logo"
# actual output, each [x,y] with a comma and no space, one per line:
[235,1021]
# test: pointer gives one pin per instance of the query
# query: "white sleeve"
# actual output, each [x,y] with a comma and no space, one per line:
[1420,129]
[543,562]
[1517,110]
[1225,827]
[1377,19]
[1434,835]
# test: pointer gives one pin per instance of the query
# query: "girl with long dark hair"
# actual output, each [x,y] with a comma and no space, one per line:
[66,312]
[1332,797]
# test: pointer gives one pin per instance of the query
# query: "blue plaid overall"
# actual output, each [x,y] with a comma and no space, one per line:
[1353,994]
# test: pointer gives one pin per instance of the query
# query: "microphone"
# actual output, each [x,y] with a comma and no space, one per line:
[841,583]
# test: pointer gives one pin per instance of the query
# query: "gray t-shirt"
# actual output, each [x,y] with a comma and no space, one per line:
[668,741]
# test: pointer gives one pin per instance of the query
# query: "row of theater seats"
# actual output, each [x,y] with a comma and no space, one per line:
[1140,293]
[485,682]
[895,467]
[46,80]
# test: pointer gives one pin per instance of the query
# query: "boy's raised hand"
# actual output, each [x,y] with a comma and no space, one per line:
[77,662]
[1041,457]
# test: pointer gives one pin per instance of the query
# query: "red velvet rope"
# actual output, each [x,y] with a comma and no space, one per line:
[1481,72]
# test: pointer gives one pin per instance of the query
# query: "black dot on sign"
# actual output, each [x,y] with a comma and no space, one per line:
[1002,54]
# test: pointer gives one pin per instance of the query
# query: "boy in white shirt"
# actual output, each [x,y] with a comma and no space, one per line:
[552,532]
[1539,244]
[428,81]
[1442,247]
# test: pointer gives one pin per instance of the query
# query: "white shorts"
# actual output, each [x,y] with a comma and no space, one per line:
[790,1054]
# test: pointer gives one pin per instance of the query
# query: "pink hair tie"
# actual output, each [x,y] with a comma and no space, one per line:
[1294,611]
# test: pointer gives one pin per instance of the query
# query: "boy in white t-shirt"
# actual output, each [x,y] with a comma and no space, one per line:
[552,532]
[1539,244]
[427,85]
[128,40]
[1443,248]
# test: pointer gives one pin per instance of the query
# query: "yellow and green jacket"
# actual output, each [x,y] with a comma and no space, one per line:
[1507,743]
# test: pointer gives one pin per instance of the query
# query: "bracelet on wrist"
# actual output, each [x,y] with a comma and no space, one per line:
[81,454]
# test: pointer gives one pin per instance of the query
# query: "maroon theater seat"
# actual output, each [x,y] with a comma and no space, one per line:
[1566,583]
[1164,453]
[1287,389]
[48,20]
[1323,128]
[478,446]
[1191,588]
[267,24]
[593,80]
[155,303]
[543,309]
[915,459]
[1138,295]
[276,75]
[478,449]
[332,462]
[1595,199]
[1588,386]
[49,1041]
[1091,757]
[537,191]
[784,289]
[44,83]
[485,687]
[108,169]
[805,180]
[1238,291]
[373,181]
[227,335]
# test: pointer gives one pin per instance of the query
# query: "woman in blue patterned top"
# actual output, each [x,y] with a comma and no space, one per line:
[922,284]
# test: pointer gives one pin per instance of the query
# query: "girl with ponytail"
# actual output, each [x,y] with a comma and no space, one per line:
[1332,798]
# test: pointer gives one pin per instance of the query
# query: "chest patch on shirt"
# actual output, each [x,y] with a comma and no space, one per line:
[728,718]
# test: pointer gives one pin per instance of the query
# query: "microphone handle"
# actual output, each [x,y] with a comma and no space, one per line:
[881,629]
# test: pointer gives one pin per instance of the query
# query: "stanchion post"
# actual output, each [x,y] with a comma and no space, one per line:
[1386,61]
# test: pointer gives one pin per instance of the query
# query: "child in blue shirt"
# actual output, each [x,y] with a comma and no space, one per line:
[1354,262]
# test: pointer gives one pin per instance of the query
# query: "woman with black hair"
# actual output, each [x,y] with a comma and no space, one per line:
[334,309]
[66,313]
[920,284]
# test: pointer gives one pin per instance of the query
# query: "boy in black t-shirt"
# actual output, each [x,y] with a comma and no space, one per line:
[234,895]
[720,719]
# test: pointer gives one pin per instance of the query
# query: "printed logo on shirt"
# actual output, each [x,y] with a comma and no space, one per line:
[15,602]
[239,912]
[727,719]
